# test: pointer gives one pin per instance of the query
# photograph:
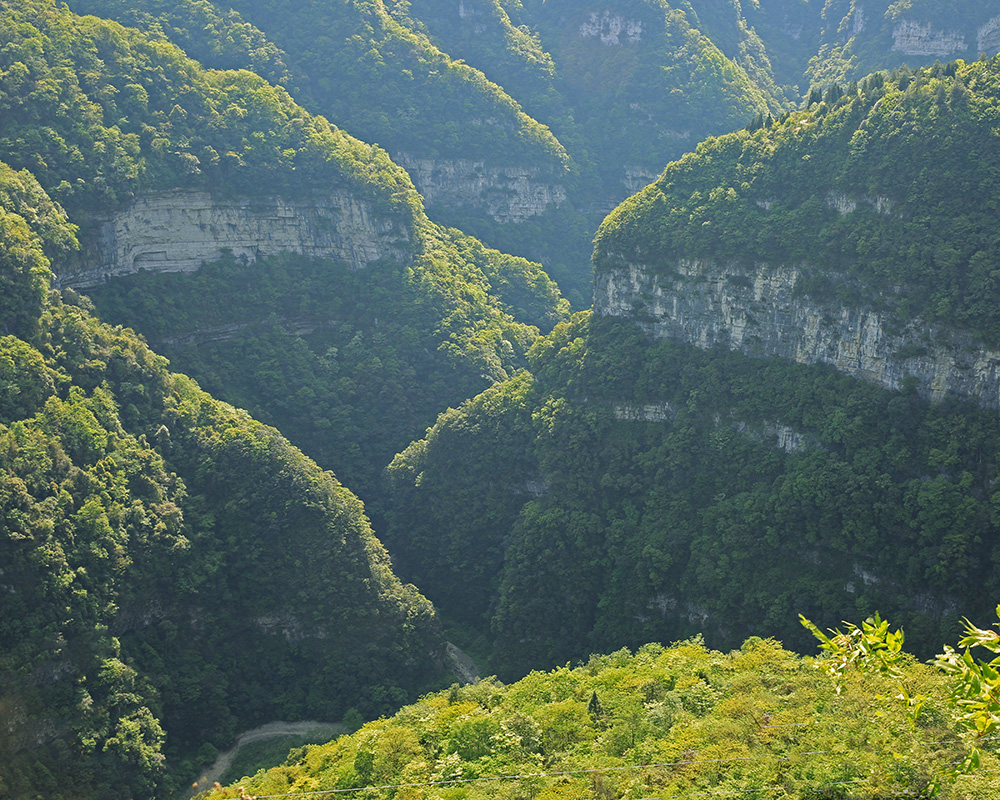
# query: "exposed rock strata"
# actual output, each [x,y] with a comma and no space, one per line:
[774,433]
[657,412]
[612,29]
[759,312]
[769,432]
[637,177]
[922,39]
[178,231]
[507,194]
[293,326]
[988,37]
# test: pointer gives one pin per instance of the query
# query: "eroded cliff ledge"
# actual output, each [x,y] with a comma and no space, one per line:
[760,312]
[178,231]
[506,194]
[915,37]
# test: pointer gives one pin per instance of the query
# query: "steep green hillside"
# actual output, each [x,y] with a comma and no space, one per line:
[819,42]
[495,37]
[349,364]
[170,567]
[857,39]
[644,84]
[215,36]
[676,721]
[670,490]
[101,113]
[388,74]
[366,66]
[626,88]
[629,490]
[885,190]
[395,342]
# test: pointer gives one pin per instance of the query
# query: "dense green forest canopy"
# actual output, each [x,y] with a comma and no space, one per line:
[173,570]
[165,557]
[396,74]
[676,721]
[890,182]
[560,92]
[454,318]
[630,86]
[365,64]
[349,364]
[100,113]
[626,490]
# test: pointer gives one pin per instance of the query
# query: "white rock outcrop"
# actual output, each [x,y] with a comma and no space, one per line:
[178,231]
[913,38]
[760,312]
[988,37]
[637,178]
[654,412]
[611,28]
[507,194]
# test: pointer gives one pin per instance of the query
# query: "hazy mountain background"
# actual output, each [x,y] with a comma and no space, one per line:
[366,224]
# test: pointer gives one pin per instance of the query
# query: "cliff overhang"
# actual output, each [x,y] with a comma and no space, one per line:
[178,231]
[763,311]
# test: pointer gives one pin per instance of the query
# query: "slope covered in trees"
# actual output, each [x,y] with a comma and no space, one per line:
[583,102]
[629,489]
[101,113]
[171,567]
[169,561]
[632,85]
[365,66]
[884,188]
[397,76]
[351,364]
[840,41]
[666,722]
[453,314]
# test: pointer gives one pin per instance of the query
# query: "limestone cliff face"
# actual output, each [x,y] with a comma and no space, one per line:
[760,312]
[637,177]
[507,194]
[178,231]
[923,39]
[611,28]
[913,37]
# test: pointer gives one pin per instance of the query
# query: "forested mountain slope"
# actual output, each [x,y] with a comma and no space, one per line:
[841,40]
[667,722]
[631,85]
[880,194]
[352,348]
[389,74]
[172,570]
[562,109]
[667,467]
[762,416]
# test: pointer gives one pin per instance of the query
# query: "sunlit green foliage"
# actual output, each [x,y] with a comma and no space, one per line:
[215,36]
[666,722]
[972,683]
[349,364]
[374,72]
[890,183]
[395,342]
[396,74]
[975,682]
[171,570]
[99,113]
